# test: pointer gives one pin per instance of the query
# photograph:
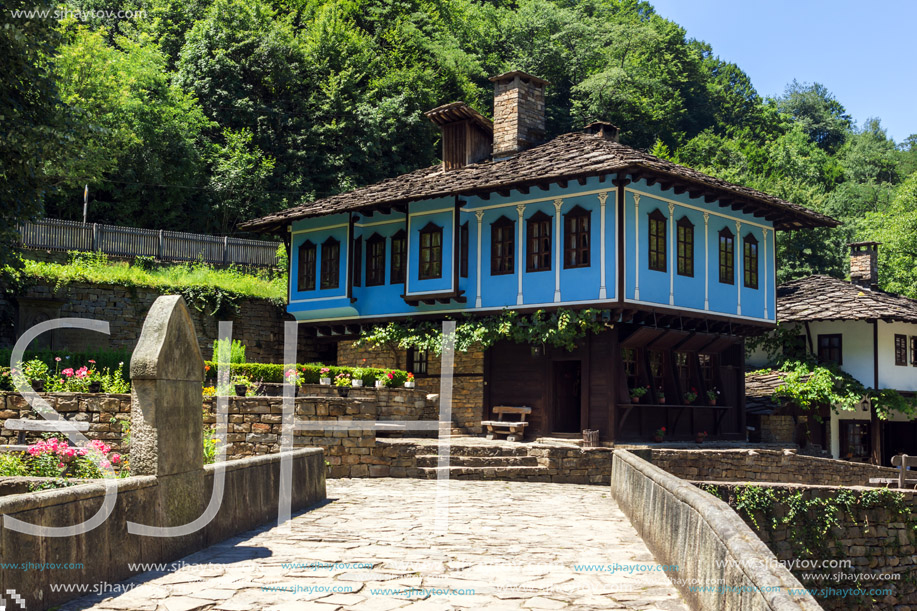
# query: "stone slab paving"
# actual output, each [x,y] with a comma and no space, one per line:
[375,546]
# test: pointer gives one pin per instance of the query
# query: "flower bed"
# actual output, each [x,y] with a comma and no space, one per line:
[88,377]
[308,374]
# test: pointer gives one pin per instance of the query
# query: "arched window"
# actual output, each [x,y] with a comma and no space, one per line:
[331,264]
[539,243]
[431,252]
[375,260]
[750,257]
[399,257]
[685,247]
[502,246]
[306,270]
[657,239]
[577,242]
[727,256]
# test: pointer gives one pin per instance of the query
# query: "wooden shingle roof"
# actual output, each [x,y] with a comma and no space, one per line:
[568,157]
[825,298]
[759,391]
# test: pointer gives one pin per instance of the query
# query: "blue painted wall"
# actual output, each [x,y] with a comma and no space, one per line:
[700,293]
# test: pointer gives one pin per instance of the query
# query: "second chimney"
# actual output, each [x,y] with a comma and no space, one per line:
[864,264]
[518,112]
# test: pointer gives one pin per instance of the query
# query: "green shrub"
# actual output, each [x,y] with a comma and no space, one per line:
[272,373]
[236,351]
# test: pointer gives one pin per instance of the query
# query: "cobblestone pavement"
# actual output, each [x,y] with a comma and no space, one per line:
[373,546]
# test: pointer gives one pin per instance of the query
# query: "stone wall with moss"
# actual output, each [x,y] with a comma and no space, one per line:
[843,544]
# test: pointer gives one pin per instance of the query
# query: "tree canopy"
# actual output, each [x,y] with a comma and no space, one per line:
[197,114]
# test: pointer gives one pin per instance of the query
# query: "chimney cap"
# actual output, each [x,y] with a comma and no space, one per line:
[458,111]
[859,246]
[522,75]
[605,129]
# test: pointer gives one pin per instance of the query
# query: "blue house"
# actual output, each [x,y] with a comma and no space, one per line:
[683,263]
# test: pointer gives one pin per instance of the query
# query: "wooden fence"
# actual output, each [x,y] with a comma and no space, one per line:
[55,234]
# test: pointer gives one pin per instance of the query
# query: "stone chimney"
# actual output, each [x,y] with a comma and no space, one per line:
[604,129]
[864,264]
[518,112]
[467,135]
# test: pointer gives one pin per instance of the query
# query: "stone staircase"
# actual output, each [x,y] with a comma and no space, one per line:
[500,461]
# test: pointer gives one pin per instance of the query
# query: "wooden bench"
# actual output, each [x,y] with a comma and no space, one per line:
[513,429]
[41,426]
[903,461]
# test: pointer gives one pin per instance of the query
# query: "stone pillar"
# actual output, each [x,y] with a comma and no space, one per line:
[166,413]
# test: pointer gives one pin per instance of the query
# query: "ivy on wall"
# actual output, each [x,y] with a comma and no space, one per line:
[560,329]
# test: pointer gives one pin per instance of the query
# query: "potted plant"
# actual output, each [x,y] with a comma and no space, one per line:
[342,383]
[324,376]
[35,372]
[659,435]
[94,377]
[409,381]
[690,396]
[241,384]
[637,392]
[660,395]
[712,395]
[382,380]
[699,438]
[357,380]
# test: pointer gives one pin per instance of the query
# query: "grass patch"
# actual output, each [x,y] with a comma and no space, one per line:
[95,268]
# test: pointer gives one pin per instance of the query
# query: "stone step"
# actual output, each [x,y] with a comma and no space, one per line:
[480,450]
[496,473]
[431,460]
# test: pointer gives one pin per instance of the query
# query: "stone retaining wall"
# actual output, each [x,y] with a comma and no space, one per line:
[704,538]
[876,540]
[779,466]
[467,381]
[258,323]
[106,550]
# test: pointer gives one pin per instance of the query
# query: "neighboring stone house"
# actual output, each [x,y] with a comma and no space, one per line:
[682,265]
[870,334]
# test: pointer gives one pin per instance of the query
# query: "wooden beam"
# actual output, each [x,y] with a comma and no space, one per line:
[581,180]
[524,189]
[710,198]
[650,180]
[678,190]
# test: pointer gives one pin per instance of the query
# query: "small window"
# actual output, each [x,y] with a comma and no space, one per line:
[830,349]
[629,362]
[431,252]
[914,351]
[375,260]
[685,253]
[576,238]
[539,243]
[463,251]
[706,369]
[855,440]
[502,246]
[331,264]
[358,262]
[306,272]
[418,361]
[900,350]
[727,257]
[657,235]
[751,261]
[683,367]
[399,257]
[657,368]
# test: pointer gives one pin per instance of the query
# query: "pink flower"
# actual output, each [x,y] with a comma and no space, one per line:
[105,464]
[92,361]
[57,358]
[68,372]
[115,458]
[60,465]
[82,372]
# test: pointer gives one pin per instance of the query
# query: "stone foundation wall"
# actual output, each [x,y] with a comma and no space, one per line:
[778,429]
[778,466]
[467,380]
[876,540]
[258,323]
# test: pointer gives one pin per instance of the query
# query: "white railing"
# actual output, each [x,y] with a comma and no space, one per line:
[55,234]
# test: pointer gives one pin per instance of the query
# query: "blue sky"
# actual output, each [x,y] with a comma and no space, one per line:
[865,53]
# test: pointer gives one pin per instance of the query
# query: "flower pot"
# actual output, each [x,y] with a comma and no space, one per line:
[635,399]
[699,439]
[356,383]
[409,384]
[712,402]
[343,390]
[95,387]
[241,390]
[37,385]
[661,400]
[658,438]
[380,384]
[325,381]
